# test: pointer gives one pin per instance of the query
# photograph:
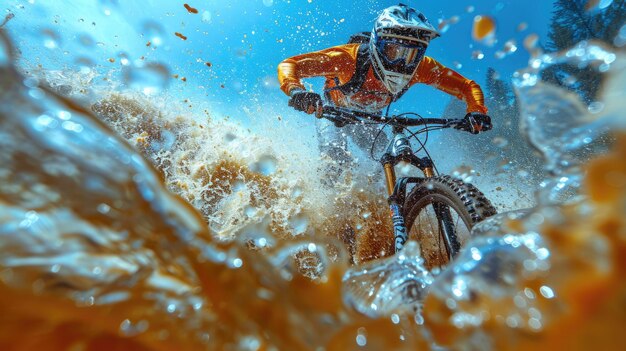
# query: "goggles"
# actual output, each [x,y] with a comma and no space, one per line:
[400,55]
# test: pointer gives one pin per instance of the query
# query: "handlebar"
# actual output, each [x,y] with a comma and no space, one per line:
[342,117]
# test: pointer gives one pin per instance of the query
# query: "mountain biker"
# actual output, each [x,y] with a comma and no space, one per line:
[370,75]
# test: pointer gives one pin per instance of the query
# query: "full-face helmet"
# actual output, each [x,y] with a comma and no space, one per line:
[398,43]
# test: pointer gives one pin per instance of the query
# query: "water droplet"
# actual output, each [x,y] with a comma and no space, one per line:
[250,343]
[44,121]
[36,93]
[72,127]
[500,142]
[299,224]
[361,339]
[153,31]
[206,17]
[459,288]
[268,3]
[476,255]
[108,6]
[250,211]
[596,107]
[512,321]
[124,59]
[84,64]
[237,263]
[510,46]
[529,293]
[543,253]
[150,78]
[128,328]
[297,191]
[86,40]
[546,292]
[51,39]
[104,208]
[266,165]
[478,55]
[464,173]
[534,323]
[419,319]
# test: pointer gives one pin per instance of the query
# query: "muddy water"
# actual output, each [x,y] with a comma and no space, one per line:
[118,231]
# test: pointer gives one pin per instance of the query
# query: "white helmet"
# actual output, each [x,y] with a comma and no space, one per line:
[398,43]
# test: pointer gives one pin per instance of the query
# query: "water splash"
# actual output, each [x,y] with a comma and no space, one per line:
[558,123]
[88,228]
[511,283]
[397,284]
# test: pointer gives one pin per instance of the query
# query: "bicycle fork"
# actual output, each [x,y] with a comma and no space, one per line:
[399,149]
[399,229]
[396,203]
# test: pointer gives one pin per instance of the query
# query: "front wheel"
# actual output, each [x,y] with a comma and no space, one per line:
[440,213]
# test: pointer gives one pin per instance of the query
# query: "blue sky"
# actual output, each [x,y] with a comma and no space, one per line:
[245,40]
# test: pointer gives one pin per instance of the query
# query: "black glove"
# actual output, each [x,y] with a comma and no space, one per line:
[475,122]
[305,101]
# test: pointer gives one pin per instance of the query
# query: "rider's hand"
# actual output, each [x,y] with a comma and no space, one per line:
[305,101]
[476,122]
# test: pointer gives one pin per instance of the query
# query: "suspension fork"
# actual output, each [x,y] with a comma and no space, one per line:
[399,229]
[399,149]
[396,190]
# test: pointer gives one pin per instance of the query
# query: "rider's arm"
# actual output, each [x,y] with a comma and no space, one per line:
[434,73]
[326,62]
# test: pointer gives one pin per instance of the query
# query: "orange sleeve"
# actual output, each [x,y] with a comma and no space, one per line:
[328,62]
[434,73]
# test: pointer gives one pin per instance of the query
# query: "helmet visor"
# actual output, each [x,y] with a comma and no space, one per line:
[400,55]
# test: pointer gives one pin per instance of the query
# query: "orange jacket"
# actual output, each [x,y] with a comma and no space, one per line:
[340,62]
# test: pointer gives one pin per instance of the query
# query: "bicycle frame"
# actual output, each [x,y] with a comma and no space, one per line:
[399,150]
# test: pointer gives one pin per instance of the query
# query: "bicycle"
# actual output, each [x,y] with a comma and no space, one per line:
[439,211]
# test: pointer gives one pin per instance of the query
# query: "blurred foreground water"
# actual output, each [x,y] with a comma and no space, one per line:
[101,248]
